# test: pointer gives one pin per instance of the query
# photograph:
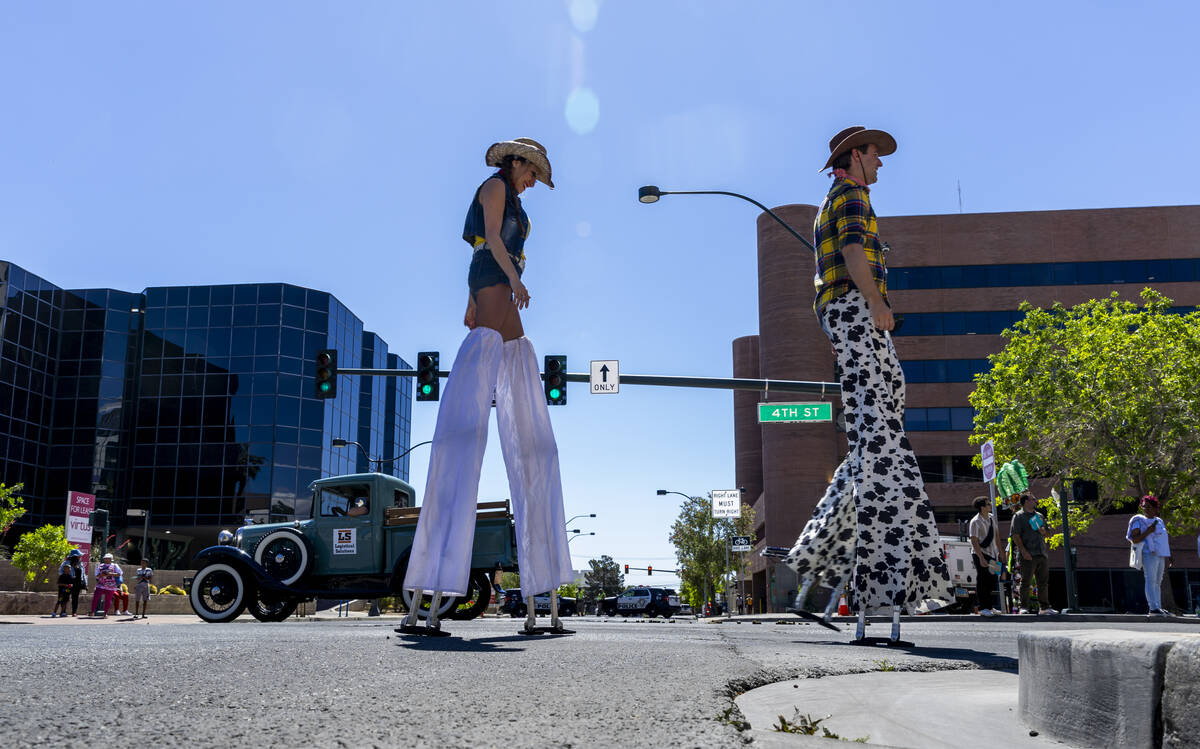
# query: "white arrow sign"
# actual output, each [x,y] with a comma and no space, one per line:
[606,377]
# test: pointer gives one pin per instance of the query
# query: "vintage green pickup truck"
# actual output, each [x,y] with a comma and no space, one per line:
[355,545]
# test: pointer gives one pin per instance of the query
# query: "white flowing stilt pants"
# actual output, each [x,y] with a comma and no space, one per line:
[441,554]
[531,457]
[440,559]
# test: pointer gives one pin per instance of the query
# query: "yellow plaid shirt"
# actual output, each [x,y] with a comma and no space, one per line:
[846,217]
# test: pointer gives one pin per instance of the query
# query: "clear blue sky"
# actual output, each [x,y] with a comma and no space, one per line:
[337,145]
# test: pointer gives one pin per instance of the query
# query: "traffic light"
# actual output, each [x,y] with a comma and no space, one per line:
[627,569]
[326,374]
[97,517]
[428,384]
[649,570]
[556,383]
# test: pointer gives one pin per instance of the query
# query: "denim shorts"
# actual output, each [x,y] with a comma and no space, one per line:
[485,271]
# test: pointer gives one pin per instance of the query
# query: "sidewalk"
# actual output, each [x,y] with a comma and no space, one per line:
[927,710]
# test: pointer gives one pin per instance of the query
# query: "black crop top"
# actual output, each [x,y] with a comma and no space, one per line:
[514,228]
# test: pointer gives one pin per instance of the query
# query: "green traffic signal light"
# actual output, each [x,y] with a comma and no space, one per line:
[325,376]
[555,371]
[428,384]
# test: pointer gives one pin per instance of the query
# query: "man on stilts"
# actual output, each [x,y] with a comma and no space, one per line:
[875,522]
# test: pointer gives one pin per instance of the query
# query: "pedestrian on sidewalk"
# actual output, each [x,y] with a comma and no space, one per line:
[141,589]
[107,574]
[1028,533]
[66,579]
[121,597]
[80,582]
[1149,530]
[875,518]
[986,556]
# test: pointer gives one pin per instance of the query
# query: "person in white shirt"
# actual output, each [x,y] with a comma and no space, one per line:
[983,533]
[1149,530]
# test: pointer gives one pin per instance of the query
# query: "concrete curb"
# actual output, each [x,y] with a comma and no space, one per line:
[1102,688]
[1181,695]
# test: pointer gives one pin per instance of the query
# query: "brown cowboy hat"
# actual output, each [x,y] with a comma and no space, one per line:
[859,136]
[528,149]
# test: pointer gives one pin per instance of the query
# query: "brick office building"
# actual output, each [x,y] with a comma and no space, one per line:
[957,279]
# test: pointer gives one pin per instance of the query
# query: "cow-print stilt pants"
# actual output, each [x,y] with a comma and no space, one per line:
[875,521]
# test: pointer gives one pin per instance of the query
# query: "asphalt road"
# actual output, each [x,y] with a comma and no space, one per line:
[353,682]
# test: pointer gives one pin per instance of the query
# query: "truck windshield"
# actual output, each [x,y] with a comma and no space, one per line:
[347,499]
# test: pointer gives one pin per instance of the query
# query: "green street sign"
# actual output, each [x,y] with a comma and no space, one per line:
[786,413]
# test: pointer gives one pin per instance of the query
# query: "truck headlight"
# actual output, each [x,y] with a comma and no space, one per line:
[224,537]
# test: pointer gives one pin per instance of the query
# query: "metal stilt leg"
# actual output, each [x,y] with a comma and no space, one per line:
[556,626]
[530,627]
[861,630]
[431,621]
[895,624]
[410,620]
[801,597]
[432,628]
[833,601]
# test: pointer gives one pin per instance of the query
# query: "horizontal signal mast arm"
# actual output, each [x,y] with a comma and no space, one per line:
[712,383]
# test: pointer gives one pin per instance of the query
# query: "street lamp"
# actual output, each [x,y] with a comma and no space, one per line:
[592,515]
[651,194]
[664,492]
[339,442]
[133,513]
[577,535]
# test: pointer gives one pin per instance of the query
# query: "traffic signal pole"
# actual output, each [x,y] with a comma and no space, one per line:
[712,383]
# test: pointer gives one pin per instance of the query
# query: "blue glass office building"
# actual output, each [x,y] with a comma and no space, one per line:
[195,402]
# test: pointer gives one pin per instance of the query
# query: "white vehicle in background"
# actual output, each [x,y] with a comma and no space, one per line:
[957,554]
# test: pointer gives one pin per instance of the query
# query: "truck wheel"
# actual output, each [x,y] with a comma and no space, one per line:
[220,593]
[284,554]
[266,608]
[651,611]
[479,595]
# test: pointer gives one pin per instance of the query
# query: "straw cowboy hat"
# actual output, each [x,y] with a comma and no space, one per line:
[526,148]
[859,136]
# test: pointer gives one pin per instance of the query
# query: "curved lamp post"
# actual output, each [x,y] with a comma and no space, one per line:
[651,194]
[590,515]
[339,442]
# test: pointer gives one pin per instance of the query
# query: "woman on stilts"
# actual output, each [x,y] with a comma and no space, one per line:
[495,360]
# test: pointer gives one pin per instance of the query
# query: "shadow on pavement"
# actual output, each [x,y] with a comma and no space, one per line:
[458,645]
[979,658]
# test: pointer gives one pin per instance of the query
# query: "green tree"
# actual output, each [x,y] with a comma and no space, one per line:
[510,580]
[701,542]
[604,579]
[570,590]
[1106,391]
[38,550]
[12,507]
